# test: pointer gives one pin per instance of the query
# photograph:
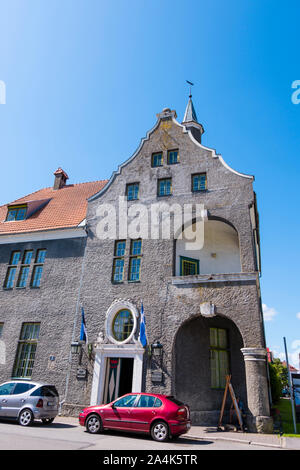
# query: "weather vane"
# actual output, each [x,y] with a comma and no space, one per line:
[191,84]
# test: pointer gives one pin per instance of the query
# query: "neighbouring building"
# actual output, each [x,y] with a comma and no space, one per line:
[132,247]
[42,242]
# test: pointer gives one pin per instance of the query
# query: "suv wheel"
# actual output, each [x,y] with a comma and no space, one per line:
[93,424]
[26,417]
[160,431]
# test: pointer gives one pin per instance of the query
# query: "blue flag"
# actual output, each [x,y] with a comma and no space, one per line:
[143,336]
[83,330]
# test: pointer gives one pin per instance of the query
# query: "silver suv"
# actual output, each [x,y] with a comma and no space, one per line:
[25,401]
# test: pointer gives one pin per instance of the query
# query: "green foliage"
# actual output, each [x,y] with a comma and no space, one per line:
[278,379]
[285,409]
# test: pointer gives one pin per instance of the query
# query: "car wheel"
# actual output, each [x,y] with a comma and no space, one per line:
[25,417]
[93,424]
[47,420]
[160,431]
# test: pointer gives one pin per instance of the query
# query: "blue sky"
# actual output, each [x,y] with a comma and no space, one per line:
[85,79]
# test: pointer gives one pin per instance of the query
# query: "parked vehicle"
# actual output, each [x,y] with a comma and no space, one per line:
[26,401]
[161,416]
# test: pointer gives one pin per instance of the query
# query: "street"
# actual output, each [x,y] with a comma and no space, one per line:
[66,434]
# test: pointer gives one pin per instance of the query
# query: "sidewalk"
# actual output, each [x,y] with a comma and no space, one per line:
[270,440]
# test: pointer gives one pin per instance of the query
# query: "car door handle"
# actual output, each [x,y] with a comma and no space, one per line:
[4,401]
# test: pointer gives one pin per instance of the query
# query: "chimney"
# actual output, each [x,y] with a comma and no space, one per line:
[61,178]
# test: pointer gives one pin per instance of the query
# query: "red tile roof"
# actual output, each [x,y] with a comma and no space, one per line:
[66,208]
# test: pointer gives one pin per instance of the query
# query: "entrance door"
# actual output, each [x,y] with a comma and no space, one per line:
[118,382]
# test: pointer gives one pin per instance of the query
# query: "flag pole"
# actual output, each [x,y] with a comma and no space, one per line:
[291,387]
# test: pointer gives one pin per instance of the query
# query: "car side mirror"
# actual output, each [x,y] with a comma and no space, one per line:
[113,405]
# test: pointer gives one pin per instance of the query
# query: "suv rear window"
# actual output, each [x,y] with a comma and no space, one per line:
[174,400]
[45,391]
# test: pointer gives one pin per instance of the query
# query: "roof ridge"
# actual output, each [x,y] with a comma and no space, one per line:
[50,187]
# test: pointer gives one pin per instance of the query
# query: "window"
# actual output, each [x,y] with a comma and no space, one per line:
[157,159]
[12,269]
[164,187]
[136,247]
[1,328]
[118,262]
[27,345]
[199,182]
[219,357]
[134,269]
[25,267]
[132,191]
[188,266]
[125,402]
[16,213]
[38,268]
[22,388]
[135,260]
[173,157]
[122,325]
[45,391]
[6,389]
[146,401]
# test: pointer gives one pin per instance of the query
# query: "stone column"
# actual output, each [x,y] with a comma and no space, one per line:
[257,390]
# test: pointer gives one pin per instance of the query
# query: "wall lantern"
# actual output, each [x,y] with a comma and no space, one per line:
[157,349]
[75,347]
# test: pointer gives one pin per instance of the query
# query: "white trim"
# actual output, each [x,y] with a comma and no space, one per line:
[214,154]
[122,165]
[55,234]
[103,351]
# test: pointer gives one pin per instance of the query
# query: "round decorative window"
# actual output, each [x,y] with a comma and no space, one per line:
[122,325]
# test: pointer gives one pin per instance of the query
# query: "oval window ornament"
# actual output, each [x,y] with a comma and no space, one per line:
[123,324]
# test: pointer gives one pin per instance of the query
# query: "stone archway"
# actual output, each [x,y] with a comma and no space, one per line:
[198,365]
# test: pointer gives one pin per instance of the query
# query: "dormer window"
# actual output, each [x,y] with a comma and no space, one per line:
[16,212]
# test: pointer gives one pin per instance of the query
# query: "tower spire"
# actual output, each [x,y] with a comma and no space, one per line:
[190,119]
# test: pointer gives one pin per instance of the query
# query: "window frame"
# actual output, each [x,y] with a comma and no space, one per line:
[11,266]
[159,181]
[193,261]
[17,208]
[128,333]
[192,182]
[136,183]
[155,154]
[168,157]
[26,350]
[220,375]
[118,257]
[24,265]
[38,264]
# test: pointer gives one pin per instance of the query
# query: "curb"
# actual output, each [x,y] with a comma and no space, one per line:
[240,441]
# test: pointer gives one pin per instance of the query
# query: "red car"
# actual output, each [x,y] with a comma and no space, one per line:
[161,416]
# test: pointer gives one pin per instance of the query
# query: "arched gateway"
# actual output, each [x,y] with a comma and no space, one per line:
[205,350]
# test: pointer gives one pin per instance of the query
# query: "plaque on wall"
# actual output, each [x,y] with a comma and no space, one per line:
[81,373]
[156,376]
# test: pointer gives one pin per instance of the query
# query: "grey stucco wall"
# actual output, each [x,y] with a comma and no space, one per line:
[52,305]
